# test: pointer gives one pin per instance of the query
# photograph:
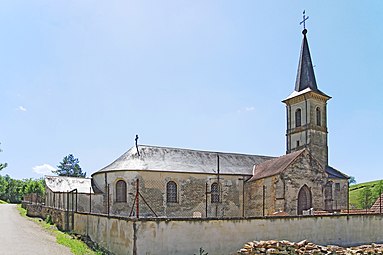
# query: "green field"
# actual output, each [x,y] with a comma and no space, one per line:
[356,190]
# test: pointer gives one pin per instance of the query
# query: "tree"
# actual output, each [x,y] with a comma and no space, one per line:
[34,186]
[3,187]
[69,167]
[377,190]
[366,198]
[12,190]
[351,180]
[2,165]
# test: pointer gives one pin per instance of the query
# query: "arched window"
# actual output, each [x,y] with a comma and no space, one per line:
[298,118]
[319,116]
[121,191]
[171,192]
[215,196]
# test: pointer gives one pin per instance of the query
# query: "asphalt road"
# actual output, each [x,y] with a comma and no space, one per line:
[19,235]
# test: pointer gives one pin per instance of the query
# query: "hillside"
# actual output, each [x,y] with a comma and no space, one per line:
[356,191]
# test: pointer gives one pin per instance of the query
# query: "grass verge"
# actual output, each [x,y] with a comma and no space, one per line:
[3,202]
[76,246]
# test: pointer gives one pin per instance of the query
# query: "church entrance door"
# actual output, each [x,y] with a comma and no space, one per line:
[304,199]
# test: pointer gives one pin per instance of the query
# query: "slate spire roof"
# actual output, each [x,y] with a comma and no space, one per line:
[305,76]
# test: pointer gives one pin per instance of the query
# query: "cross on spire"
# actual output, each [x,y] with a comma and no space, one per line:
[304,20]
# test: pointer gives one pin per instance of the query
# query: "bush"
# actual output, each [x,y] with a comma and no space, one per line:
[49,219]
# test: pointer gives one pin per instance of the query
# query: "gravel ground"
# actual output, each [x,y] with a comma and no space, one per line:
[19,235]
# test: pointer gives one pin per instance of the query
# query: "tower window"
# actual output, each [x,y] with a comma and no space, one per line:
[171,192]
[297,143]
[298,118]
[319,116]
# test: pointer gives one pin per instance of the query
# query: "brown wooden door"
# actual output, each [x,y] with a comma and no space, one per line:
[304,199]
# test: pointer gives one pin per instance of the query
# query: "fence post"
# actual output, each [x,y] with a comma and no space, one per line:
[73,209]
[206,191]
[380,200]
[137,199]
[67,211]
[243,197]
[108,190]
[90,200]
[263,200]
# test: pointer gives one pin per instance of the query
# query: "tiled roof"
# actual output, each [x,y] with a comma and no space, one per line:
[377,207]
[333,173]
[274,166]
[155,158]
[65,184]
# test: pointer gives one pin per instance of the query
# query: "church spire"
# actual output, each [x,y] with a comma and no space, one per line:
[307,109]
[305,76]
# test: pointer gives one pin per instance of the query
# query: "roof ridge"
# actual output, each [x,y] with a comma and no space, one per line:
[266,165]
[63,176]
[197,150]
[286,155]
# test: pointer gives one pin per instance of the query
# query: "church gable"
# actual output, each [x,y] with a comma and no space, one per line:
[306,172]
[277,185]
[274,166]
[305,168]
[335,174]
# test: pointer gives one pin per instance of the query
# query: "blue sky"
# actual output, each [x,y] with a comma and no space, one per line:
[84,77]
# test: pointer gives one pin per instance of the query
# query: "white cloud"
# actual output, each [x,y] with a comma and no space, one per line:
[43,169]
[22,108]
[247,109]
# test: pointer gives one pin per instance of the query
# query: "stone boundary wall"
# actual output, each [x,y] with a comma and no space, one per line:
[122,235]
[186,236]
[38,210]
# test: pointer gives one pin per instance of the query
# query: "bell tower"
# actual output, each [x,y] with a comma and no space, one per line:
[306,110]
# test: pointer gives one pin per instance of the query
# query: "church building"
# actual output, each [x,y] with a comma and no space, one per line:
[153,181]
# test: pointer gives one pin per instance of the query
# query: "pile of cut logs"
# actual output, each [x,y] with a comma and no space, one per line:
[305,247]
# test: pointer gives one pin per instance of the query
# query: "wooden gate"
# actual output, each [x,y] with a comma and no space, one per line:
[304,199]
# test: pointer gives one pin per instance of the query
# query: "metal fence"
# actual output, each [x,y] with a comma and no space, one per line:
[155,198]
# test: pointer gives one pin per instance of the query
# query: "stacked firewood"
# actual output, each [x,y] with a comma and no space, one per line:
[305,247]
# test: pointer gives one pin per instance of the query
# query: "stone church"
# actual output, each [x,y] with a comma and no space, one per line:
[152,181]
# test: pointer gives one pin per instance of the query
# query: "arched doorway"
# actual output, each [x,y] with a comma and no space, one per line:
[304,199]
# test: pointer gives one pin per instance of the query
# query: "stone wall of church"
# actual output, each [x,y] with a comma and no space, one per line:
[318,146]
[340,194]
[304,171]
[264,197]
[279,193]
[194,198]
